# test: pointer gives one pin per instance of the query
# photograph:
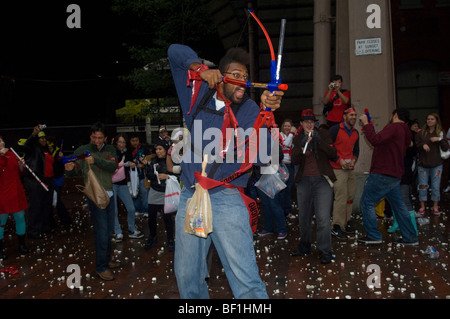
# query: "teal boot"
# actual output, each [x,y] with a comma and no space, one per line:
[394,226]
[412,214]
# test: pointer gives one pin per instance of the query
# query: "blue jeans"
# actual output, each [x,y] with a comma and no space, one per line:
[377,187]
[286,194]
[141,201]
[103,220]
[123,193]
[315,196]
[423,175]
[233,239]
[273,213]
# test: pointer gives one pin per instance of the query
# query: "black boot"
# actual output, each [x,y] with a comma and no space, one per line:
[2,254]
[171,244]
[151,241]
[22,247]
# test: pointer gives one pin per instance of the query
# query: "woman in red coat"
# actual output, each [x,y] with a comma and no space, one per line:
[12,198]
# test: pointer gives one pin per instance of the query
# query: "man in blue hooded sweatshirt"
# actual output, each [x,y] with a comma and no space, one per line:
[232,234]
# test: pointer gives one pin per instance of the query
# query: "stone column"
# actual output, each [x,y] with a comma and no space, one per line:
[371,66]
[322,54]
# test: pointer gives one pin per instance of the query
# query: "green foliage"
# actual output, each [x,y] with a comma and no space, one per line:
[152,26]
[132,111]
[138,109]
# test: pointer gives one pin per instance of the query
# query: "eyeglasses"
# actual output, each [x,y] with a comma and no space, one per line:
[238,76]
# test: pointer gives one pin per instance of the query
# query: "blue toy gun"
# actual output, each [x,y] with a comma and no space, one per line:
[68,159]
[366,111]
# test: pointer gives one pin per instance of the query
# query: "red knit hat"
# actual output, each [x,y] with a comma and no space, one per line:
[308,114]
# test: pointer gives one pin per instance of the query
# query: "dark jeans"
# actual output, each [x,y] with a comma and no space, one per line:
[103,220]
[286,194]
[315,196]
[40,210]
[377,187]
[61,209]
[274,219]
[168,221]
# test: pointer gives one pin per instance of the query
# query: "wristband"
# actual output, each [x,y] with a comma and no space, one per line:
[201,68]
[195,75]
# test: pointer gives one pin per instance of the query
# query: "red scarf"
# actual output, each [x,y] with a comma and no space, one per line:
[265,117]
[230,121]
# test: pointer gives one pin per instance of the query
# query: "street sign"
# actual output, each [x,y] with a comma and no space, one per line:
[368,46]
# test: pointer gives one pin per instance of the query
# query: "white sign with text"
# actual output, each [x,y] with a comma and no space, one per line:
[368,46]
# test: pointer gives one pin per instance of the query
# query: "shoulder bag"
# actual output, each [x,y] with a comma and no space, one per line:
[94,190]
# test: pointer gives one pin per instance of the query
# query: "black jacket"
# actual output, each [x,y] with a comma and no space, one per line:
[35,158]
[322,146]
[161,168]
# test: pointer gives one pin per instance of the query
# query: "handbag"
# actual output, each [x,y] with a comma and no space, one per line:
[119,174]
[444,154]
[94,190]
[329,106]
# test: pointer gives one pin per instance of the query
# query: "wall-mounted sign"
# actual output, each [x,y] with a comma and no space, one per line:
[444,78]
[368,46]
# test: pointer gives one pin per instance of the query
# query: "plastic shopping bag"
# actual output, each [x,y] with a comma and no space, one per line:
[133,184]
[283,172]
[198,220]
[270,184]
[172,195]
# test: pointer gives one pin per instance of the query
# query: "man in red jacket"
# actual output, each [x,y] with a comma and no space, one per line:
[386,171]
[346,141]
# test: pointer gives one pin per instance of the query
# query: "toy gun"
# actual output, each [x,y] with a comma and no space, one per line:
[156,173]
[30,170]
[306,145]
[366,111]
[68,159]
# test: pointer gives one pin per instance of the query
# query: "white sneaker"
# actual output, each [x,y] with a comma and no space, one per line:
[119,238]
[447,189]
[136,234]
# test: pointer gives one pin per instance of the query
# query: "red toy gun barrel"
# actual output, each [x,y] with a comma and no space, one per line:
[249,84]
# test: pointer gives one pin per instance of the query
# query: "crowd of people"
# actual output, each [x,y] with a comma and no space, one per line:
[31,183]
[320,161]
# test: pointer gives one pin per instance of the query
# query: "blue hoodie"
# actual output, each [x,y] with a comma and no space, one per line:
[180,58]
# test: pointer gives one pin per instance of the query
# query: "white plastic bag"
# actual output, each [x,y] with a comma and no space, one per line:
[270,184]
[172,195]
[55,198]
[133,184]
[283,172]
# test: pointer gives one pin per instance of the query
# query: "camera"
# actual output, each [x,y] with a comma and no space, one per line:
[335,85]
[42,127]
